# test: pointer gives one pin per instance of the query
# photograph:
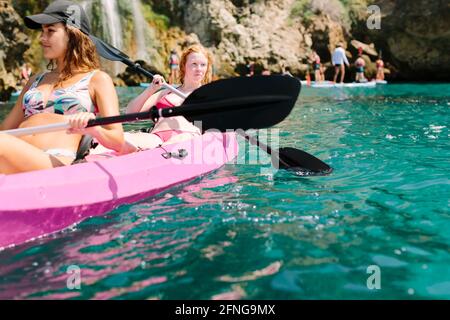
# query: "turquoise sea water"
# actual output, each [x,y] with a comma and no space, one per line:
[248,233]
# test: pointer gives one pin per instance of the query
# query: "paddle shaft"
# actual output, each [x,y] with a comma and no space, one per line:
[276,156]
[92,123]
[113,54]
[254,141]
[187,110]
[138,68]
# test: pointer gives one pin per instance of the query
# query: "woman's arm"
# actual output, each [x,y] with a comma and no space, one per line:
[16,116]
[105,97]
[148,98]
[346,60]
[144,101]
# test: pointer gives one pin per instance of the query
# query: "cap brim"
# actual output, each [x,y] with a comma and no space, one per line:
[36,21]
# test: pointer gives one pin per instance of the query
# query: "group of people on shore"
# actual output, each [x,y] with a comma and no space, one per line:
[74,90]
[339,61]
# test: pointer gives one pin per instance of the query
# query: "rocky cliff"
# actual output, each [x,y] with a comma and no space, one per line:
[267,33]
[414,35]
[13,44]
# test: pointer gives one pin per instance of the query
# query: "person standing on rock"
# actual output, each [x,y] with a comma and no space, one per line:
[360,64]
[380,68]
[174,66]
[322,72]
[338,60]
[316,67]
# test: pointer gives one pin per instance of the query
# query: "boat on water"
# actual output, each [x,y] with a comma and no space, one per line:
[330,84]
[370,84]
[147,84]
[39,203]
[305,83]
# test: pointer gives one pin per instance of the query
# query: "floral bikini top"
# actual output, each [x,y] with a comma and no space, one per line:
[64,101]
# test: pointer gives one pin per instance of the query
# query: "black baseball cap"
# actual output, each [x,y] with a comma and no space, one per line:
[72,14]
[64,11]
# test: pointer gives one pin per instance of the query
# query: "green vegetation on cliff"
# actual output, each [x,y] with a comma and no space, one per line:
[27,7]
[302,9]
[346,12]
[159,21]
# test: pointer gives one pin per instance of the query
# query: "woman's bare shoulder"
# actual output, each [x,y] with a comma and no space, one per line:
[100,77]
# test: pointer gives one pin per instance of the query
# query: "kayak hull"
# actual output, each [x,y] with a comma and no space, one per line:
[39,203]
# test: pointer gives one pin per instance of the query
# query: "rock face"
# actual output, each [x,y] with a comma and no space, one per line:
[263,32]
[13,43]
[416,35]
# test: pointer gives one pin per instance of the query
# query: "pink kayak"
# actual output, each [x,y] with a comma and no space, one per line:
[38,203]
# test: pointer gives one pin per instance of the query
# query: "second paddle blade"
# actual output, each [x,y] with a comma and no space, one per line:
[243,103]
[300,161]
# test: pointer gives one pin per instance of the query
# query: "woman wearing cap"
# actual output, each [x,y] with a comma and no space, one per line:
[73,91]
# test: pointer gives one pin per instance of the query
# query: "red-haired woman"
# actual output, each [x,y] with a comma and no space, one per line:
[195,71]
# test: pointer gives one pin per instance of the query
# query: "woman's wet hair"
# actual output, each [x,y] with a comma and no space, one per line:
[81,55]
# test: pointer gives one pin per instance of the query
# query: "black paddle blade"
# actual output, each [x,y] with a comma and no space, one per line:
[301,162]
[242,103]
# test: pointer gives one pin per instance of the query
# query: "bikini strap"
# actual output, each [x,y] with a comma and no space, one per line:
[38,80]
[90,75]
[84,82]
